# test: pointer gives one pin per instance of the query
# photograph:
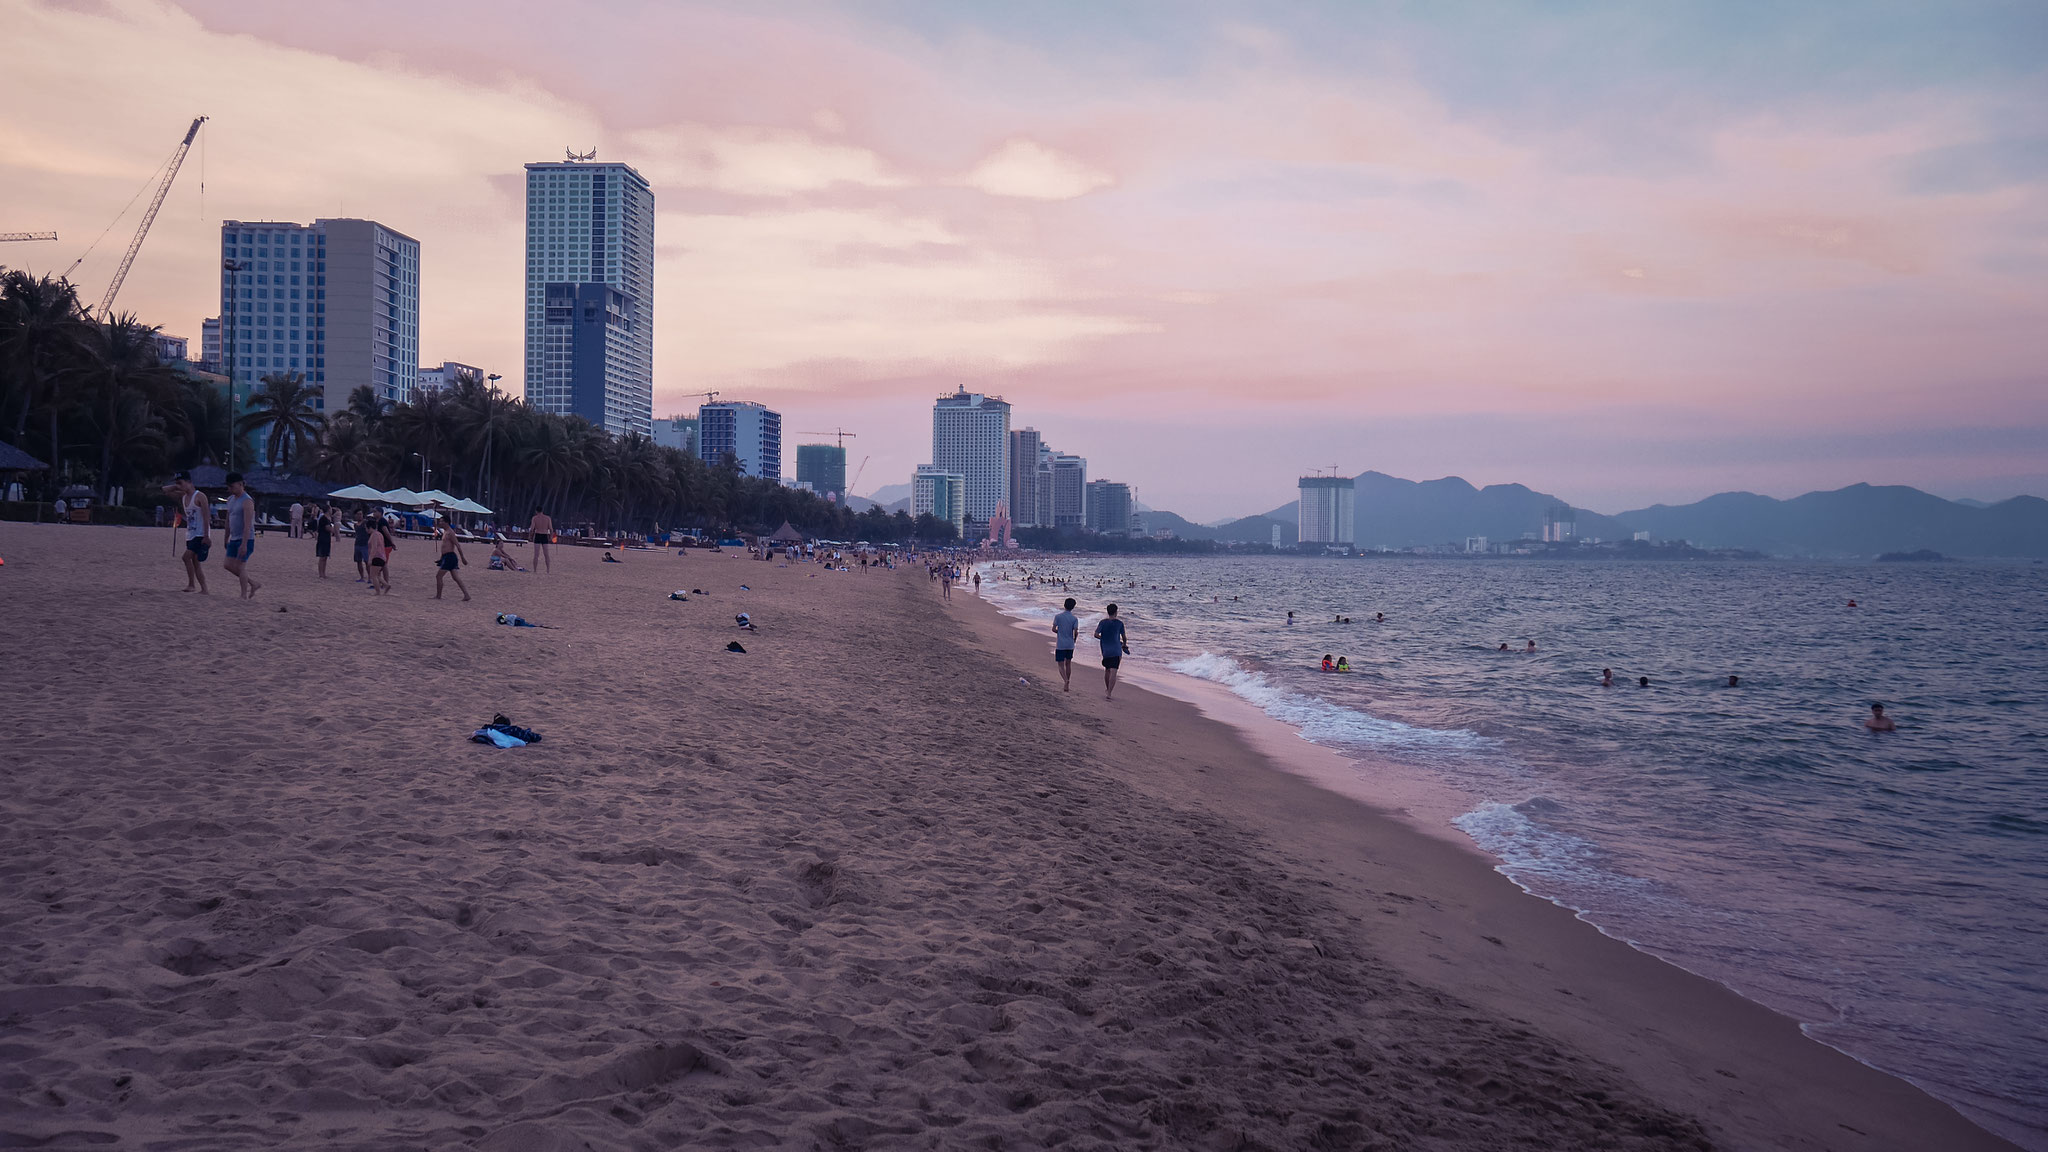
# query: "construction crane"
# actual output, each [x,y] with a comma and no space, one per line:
[856,473]
[5,236]
[177,161]
[708,396]
[839,432]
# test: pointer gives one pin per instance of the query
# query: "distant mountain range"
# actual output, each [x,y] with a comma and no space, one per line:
[1860,520]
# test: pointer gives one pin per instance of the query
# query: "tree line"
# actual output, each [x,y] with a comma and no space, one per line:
[93,398]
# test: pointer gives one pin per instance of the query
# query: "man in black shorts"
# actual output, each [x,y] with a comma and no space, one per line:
[451,556]
[1114,647]
[1064,626]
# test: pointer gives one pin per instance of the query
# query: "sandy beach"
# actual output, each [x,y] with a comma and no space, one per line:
[875,883]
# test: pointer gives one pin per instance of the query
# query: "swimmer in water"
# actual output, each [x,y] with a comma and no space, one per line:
[1607,677]
[1290,617]
[1531,647]
[1879,722]
[1642,681]
[1327,666]
[1503,646]
[1379,617]
[1852,603]
[1343,663]
[1735,681]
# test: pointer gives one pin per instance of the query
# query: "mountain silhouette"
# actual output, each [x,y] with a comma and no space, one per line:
[1860,520]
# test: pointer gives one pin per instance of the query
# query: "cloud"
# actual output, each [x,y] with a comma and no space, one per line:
[753,161]
[1029,170]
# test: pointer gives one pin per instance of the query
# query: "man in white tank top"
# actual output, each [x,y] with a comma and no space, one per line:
[198,531]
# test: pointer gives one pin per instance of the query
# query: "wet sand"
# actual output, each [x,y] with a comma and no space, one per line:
[859,887]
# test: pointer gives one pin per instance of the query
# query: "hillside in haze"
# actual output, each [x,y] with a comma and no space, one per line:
[1860,520]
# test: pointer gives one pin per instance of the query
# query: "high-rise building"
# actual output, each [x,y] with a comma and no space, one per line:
[170,349]
[750,433]
[1025,444]
[823,467]
[335,300]
[678,432]
[1325,513]
[1044,517]
[1109,507]
[940,493]
[971,436]
[440,376]
[590,294]
[1069,475]
[209,344]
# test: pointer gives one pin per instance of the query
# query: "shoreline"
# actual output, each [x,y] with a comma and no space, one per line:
[1643,1000]
[867,885]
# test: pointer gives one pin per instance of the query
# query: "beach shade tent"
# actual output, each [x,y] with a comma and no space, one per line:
[13,459]
[466,505]
[404,496]
[787,535]
[358,492]
[433,495]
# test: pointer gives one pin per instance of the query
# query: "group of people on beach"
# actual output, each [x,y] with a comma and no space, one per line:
[376,539]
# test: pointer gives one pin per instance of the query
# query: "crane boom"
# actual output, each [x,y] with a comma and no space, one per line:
[856,475]
[149,217]
[4,236]
[839,432]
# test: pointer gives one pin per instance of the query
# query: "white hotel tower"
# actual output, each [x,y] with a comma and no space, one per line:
[971,437]
[590,293]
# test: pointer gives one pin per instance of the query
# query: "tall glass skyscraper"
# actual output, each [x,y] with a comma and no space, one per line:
[590,294]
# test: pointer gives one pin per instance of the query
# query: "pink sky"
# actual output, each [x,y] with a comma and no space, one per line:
[1209,261]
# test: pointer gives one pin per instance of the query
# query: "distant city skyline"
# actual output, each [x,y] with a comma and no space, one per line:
[1623,256]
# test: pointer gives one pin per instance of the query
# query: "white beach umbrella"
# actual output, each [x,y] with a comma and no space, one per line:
[404,496]
[358,492]
[432,495]
[466,505]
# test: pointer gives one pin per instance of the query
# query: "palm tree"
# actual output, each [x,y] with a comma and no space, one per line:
[43,333]
[125,392]
[367,407]
[201,423]
[283,410]
[349,453]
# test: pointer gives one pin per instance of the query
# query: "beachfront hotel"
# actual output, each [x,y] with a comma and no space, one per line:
[335,300]
[590,294]
[1109,507]
[751,433]
[1327,509]
[1066,480]
[971,437]
[937,492]
[441,376]
[1026,448]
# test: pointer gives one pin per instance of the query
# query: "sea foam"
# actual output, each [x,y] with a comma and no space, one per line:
[1319,721]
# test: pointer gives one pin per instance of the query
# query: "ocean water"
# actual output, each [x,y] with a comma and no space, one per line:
[1889,891]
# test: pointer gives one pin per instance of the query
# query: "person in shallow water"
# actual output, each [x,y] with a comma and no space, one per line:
[1607,677]
[1642,681]
[1343,663]
[1735,681]
[1531,647]
[1879,722]
[1327,665]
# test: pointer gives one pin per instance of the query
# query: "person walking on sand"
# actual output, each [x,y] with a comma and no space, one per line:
[1115,644]
[198,531]
[542,533]
[241,535]
[1064,627]
[298,521]
[381,548]
[977,583]
[451,559]
[362,551]
[323,537]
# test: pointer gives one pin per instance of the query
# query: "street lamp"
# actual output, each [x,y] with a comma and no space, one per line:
[423,470]
[233,309]
[490,426]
